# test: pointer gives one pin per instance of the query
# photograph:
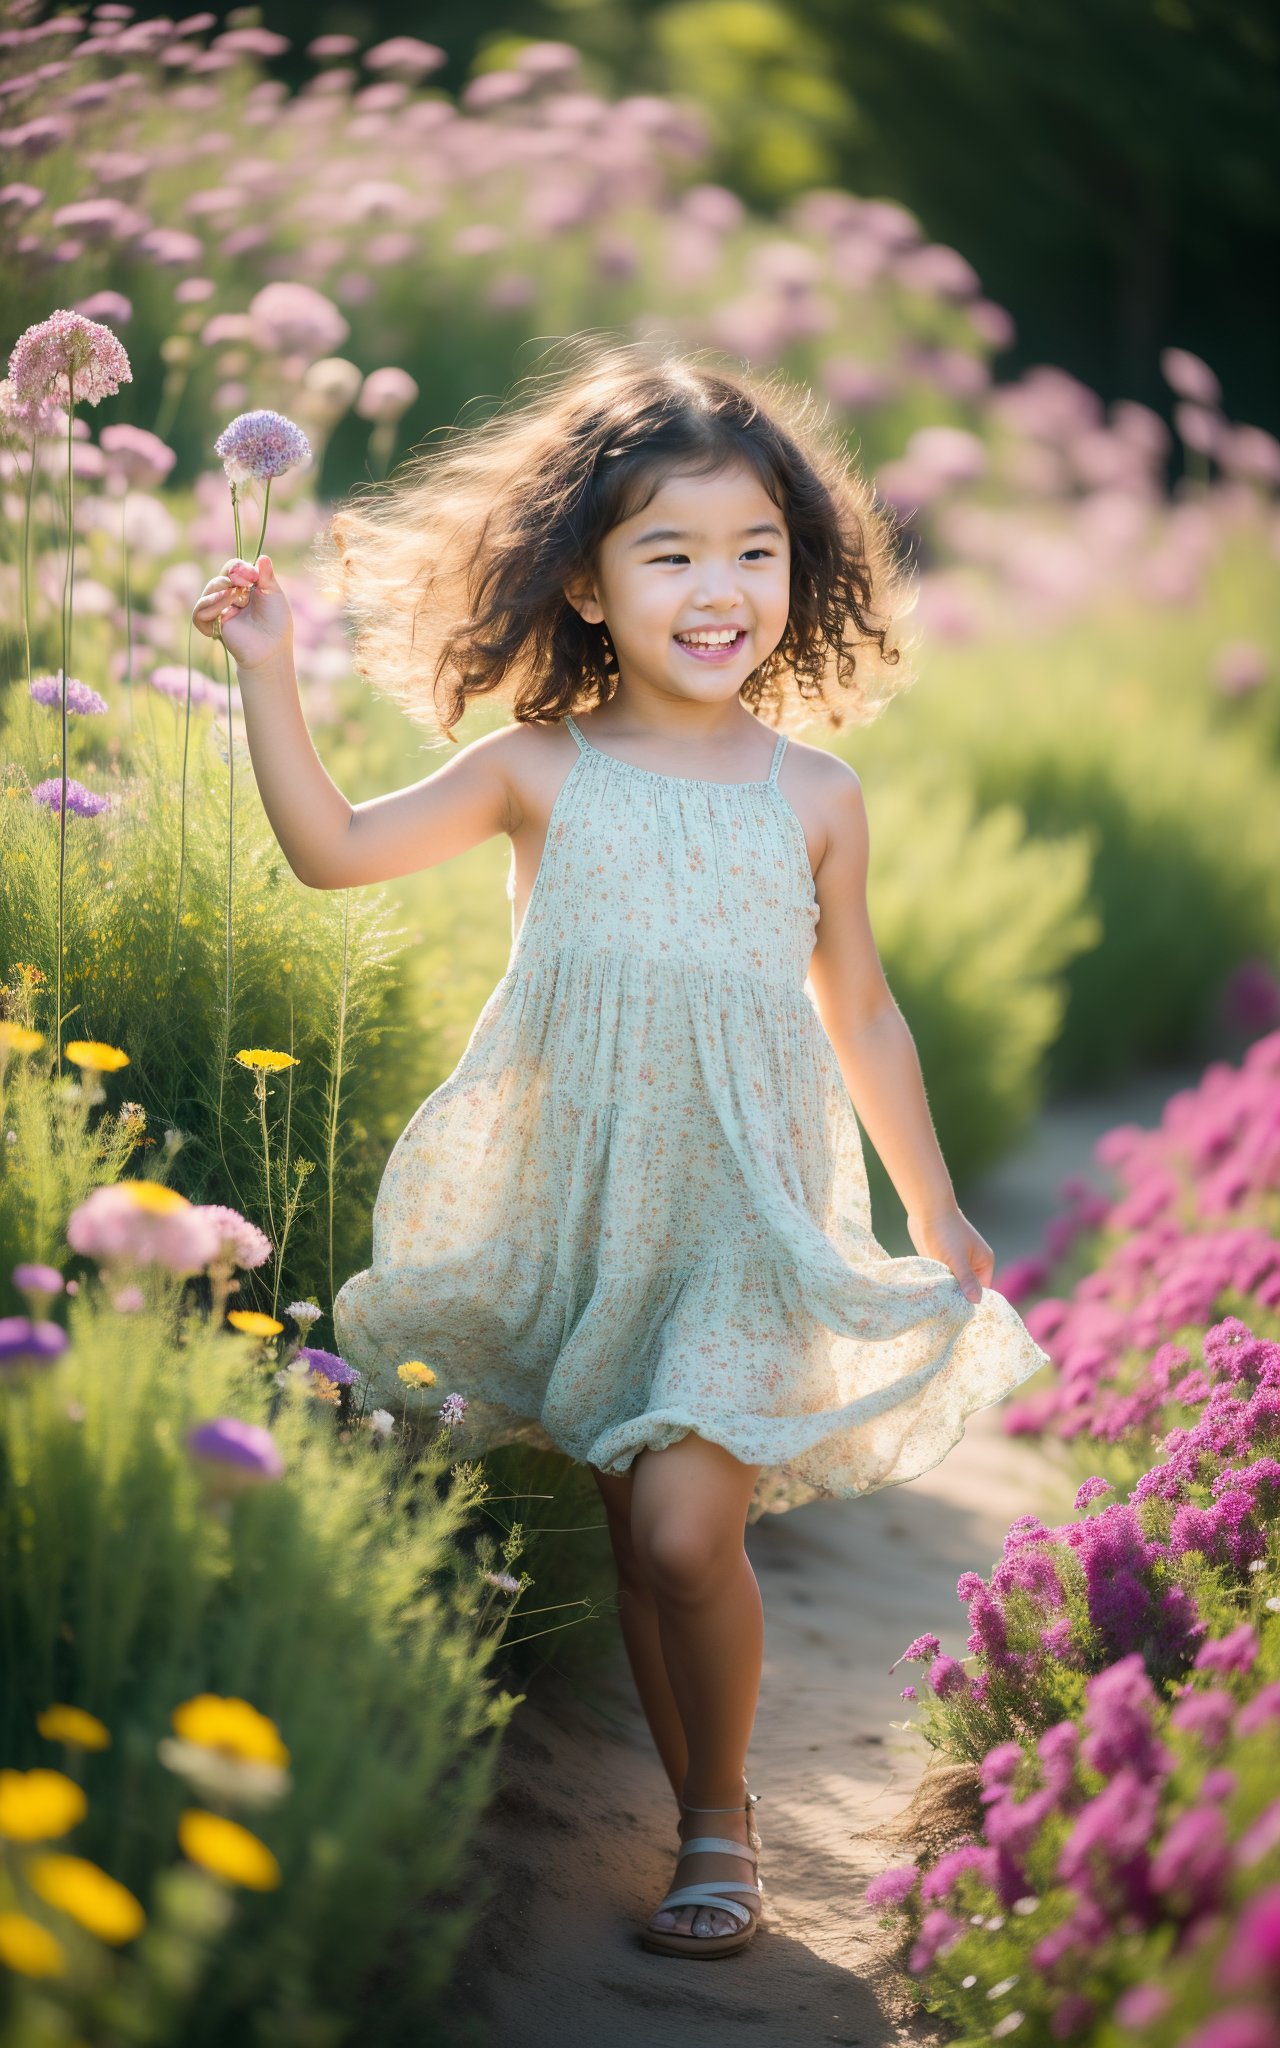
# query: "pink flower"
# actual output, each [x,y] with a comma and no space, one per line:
[1240,666]
[409,56]
[386,395]
[240,1243]
[141,458]
[1189,376]
[261,445]
[295,319]
[145,1224]
[66,357]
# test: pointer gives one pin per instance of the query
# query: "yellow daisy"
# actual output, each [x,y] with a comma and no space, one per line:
[228,1850]
[154,1197]
[229,1725]
[17,1038]
[29,1948]
[415,1374]
[269,1062]
[251,1324]
[85,1893]
[73,1725]
[37,1805]
[102,1059]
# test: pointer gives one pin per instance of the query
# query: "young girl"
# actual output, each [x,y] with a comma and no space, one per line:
[635,1221]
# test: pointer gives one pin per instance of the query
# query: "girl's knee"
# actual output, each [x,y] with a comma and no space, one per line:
[682,1559]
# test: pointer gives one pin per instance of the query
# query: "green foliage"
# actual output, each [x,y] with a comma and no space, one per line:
[338,1599]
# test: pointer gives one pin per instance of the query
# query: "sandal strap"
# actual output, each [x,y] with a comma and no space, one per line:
[748,1799]
[711,1895]
[721,1844]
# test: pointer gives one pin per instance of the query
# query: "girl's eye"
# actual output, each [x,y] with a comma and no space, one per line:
[767,552]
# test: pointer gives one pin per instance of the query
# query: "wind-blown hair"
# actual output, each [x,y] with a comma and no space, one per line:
[453,570]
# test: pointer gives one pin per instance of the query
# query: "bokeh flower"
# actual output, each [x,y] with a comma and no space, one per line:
[23,1342]
[72,1725]
[144,1223]
[85,803]
[86,703]
[28,1948]
[227,1850]
[39,1805]
[97,1057]
[246,1450]
[231,1725]
[329,1366]
[240,1243]
[87,1895]
[251,1323]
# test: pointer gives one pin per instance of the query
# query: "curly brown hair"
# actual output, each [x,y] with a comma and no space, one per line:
[454,570]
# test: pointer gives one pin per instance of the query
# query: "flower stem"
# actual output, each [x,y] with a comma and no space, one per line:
[335,1074]
[68,598]
[260,1090]
[266,500]
[128,604]
[26,556]
[182,807]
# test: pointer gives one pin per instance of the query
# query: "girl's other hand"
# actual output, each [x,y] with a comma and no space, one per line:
[257,623]
[953,1240]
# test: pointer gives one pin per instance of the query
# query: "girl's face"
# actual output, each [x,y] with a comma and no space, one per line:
[695,590]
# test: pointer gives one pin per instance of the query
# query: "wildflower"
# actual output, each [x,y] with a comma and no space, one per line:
[72,1725]
[922,1646]
[329,1366]
[28,1948]
[452,1409]
[295,319]
[243,1449]
[142,1221]
[69,358]
[382,1422]
[38,1283]
[240,1243]
[1251,1959]
[85,803]
[100,1059]
[172,681]
[231,1725]
[23,1342]
[128,1301]
[323,1389]
[251,1324]
[304,1313]
[268,1062]
[141,458]
[948,1677]
[908,1692]
[503,1581]
[260,445]
[17,1038]
[36,1806]
[891,1887]
[79,1889]
[1235,1651]
[386,396]
[227,1850]
[415,1374]
[80,698]
[1141,2004]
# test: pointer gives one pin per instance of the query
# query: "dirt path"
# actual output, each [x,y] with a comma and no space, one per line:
[583,1830]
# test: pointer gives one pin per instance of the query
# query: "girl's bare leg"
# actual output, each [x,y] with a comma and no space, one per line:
[638,1619]
[688,1512]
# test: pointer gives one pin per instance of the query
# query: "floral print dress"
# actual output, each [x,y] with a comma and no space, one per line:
[639,1206]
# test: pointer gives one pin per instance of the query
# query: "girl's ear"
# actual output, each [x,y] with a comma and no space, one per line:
[582,596]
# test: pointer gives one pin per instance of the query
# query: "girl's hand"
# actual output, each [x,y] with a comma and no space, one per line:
[953,1240]
[257,623]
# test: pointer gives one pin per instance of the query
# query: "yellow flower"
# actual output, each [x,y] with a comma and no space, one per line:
[153,1197]
[251,1324]
[103,1059]
[29,1948]
[72,1724]
[415,1374]
[17,1038]
[229,1725]
[88,1895]
[228,1850]
[37,1805]
[322,1389]
[270,1062]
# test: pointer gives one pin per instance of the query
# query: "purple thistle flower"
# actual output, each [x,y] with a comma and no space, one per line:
[452,1409]
[85,803]
[66,357]
[329,1366]
[241,1242]
[260,445]
[245,1445]
[80,698]
[23,1342]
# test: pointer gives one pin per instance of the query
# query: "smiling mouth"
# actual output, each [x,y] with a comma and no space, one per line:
[719,650]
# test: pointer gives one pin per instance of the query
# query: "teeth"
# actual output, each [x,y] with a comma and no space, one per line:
[721,639]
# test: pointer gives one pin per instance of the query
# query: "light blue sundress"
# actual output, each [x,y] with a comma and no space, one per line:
[639,1207]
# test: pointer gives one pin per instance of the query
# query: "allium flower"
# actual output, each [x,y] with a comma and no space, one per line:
[452,1409]
[295,319]
[329,1366]
[23,1342]
[84,802]
[240,1243]
[142,459]
[261,445]
[141,1221]
[67,357]
[244,1445]
[171,680]
[80,698]
[386,396]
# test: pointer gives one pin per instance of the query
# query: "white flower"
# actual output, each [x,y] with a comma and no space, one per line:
[382,1422]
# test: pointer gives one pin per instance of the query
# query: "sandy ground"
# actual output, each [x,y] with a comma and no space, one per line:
[582,1832]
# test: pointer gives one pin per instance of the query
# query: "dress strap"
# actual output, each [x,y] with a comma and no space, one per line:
[583,746]
[778,753]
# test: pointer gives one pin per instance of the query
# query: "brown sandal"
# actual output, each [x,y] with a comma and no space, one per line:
[666,1941]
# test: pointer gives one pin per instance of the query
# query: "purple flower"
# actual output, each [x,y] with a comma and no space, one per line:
[66,357]
[921,1646]
[171,680]
[23,1342]
[938,1930]
[84,802]
[144,1223]
[947,1677]
[1245,2026]
[908,1692]
[1251,1959]
[891,1887]
[938,1882]
[240,1243]
[262,445]
[1090,1490]
[1192,1861]
[1236,1651]
[452,1409]
[44,1281]
[1206,1714]
[80,698]
[1263,1707]
[329,1365]
[244,1445]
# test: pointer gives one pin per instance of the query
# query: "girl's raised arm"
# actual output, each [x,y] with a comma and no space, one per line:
[328,842]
